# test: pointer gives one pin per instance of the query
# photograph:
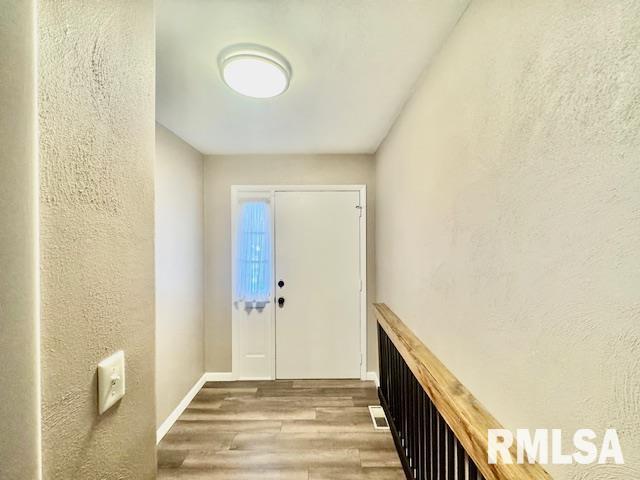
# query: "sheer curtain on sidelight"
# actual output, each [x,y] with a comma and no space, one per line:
[253,252]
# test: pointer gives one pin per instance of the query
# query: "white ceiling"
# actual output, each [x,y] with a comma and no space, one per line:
[354,65]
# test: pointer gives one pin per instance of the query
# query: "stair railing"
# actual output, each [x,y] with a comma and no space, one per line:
[439,428]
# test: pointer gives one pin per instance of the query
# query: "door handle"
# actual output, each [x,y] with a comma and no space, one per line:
[281,301]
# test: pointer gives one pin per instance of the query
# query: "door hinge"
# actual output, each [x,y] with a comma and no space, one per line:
[360,284]
[360,359]
[360,209]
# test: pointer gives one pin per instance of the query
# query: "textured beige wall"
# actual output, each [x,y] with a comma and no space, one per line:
[97,260]
[179,270]
[19,366]
[223,171]
[508,220]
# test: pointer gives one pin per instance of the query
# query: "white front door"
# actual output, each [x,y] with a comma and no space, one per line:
[317,262]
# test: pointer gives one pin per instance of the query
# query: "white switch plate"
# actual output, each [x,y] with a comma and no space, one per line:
[110,381]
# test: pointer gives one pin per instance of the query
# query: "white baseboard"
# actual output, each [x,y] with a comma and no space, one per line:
[218,377]
[228,377]
[373,377]
[184,403]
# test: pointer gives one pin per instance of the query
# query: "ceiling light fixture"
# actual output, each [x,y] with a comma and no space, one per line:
[254,70]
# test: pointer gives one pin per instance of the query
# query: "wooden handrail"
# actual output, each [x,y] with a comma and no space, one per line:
[464,414]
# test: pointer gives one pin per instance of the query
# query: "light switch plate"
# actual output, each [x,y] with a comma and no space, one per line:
[110,381]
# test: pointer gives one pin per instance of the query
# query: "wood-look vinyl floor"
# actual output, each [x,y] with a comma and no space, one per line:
[279,430]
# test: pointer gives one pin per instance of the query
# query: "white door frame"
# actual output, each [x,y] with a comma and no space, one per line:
[236,190]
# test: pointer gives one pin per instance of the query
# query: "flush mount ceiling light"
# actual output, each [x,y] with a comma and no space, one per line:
[254,70]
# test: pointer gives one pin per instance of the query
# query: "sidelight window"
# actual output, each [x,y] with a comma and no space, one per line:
[254,252]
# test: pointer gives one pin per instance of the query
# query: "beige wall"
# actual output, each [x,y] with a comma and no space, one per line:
[179,270]
[96,76]
[508,225]
[19,366]
[223,171]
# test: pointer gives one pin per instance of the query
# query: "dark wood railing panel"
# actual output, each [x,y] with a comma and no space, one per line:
[439,427]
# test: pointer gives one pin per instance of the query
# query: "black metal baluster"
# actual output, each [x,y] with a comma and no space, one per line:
[434,442]
[390,373]
[451,470]
[381,359]
[442,443]
[388,360]
[387,367]
[438,445]
[405,404]
[412,421]
[425,438]
[410,447]
[398,388]
[392,384]
[407,409]
[396,380]
[419,428]
[416,419]
[418,425]
[460,461]
[409,416]
[429,449]
[472,469]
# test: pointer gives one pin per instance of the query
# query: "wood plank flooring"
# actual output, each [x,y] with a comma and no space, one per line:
[279,430]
